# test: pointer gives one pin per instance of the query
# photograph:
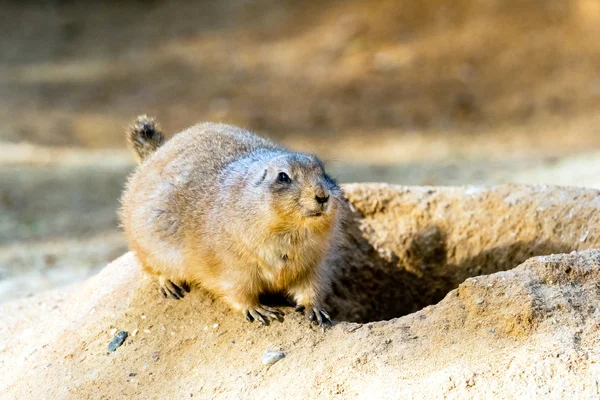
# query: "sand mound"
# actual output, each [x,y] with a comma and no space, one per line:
[530,331]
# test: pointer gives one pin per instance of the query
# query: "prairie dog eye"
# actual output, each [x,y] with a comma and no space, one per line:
[283,178]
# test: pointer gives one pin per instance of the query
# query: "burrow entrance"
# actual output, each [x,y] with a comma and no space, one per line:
[407,248]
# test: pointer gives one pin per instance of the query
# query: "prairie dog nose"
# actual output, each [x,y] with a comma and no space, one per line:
[321,195]
[322,200]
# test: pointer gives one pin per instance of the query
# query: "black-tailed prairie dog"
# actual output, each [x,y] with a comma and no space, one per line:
[238,214]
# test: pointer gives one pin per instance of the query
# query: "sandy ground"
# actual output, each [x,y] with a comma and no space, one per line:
[433,92]
[528,331]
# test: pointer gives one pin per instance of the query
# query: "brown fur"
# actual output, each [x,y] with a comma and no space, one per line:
[207,208]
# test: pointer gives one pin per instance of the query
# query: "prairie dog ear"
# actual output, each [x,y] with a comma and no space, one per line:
[260,176]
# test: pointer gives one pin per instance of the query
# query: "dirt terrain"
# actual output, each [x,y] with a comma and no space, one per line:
[530,331]
[436,294]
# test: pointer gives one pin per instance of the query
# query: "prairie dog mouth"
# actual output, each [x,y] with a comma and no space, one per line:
[313,213]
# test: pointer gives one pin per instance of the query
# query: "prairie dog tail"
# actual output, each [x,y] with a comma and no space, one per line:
[144,137]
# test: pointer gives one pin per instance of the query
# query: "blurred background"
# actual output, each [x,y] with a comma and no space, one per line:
[414,92]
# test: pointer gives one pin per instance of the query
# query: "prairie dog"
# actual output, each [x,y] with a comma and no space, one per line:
[238,214]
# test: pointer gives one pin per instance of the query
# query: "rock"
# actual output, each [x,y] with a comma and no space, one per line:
[117,341]
[270,357]
[404,300]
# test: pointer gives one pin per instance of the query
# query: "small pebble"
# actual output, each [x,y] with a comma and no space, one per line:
[132,374]
[492,330]
[135,331]
[117,341]
[155,356]
[479,301]
[270,357]
[144,317]
[146,330]
[113,331]
[215,326]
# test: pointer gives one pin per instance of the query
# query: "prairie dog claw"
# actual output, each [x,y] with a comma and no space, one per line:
[169,288]
[315,314]
[263,314]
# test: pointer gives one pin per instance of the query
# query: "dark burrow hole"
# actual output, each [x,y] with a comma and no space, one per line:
[373,285]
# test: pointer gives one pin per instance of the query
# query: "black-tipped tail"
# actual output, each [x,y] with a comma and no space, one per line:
[144,137]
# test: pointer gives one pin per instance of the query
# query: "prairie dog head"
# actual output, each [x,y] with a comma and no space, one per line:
[297,190]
